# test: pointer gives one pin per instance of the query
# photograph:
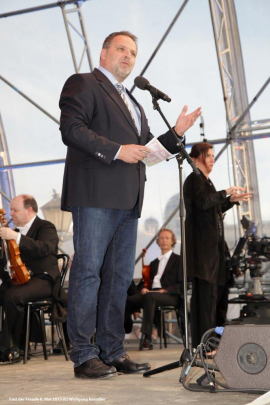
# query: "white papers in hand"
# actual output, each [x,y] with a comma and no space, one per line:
[158,153]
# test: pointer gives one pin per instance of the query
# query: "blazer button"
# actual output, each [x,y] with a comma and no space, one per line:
[138,166]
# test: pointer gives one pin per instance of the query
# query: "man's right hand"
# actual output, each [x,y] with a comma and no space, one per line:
[133,153]
[144,291]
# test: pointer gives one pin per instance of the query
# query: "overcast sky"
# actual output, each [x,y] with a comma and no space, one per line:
[35,57]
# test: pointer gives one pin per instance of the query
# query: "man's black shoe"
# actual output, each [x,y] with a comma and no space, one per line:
[123,364]
[94,368]
[9,357]
[146,345]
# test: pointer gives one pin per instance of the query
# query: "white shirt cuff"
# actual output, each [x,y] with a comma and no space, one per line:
[117,153]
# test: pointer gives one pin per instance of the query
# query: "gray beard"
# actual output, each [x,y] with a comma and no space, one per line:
[122,74]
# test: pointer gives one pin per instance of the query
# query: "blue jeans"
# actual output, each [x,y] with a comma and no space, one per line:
[101,272]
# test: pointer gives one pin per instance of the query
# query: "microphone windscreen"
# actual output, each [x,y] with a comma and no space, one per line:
[141,82]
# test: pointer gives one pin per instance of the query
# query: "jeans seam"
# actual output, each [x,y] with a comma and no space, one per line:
[111,292]
[79,263]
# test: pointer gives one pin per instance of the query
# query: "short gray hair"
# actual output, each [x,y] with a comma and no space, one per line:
[108,40]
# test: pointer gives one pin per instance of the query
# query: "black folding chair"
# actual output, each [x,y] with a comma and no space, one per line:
[180,321]
[40,307]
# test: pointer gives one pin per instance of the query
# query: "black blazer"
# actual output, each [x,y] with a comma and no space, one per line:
[94,123]
[203,244]
[172,276]
[39,248]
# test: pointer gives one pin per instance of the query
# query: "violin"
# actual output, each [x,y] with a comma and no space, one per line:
[18,272]
[145,272]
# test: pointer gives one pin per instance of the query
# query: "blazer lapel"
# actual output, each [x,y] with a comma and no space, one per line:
[154,268]
[32,229]
[113,93]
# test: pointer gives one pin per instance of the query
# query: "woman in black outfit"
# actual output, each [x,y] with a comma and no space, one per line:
[205,238]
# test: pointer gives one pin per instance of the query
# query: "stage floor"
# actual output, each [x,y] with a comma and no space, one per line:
[52,381]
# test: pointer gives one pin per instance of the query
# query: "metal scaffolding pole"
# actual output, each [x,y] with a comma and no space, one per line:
[231,67]
[82,35]
[161,41]
[60,3]
[30,100]
[6,177]
[68,24]
[7,189]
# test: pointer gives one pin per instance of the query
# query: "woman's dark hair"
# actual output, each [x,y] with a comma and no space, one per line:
[200,148]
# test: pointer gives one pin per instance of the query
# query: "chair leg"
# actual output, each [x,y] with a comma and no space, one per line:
[1,318]
[141,341]
[43,333]
[59,327]
[161,327]
[164,332]
[52,335]
[27,333]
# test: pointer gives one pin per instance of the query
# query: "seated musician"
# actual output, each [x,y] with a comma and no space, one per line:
[165,287]
[37,240]
[128,323]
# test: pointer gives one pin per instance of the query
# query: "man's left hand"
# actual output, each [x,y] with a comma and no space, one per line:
[185,121]
[8,234]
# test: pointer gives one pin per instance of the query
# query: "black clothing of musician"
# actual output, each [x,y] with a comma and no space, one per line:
[205,239]
[165,288]
[37,241]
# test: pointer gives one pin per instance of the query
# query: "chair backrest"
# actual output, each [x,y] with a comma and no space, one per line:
[64,268]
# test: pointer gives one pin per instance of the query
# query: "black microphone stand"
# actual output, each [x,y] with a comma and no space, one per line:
[185,358]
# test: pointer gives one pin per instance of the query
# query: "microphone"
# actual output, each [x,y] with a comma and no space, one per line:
[143,84]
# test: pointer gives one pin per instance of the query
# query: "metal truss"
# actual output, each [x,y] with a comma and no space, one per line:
[82,35]
[6,176]
[240,125]
[7,189]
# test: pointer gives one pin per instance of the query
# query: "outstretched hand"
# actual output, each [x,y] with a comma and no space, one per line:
[234,190]
[240,197]
[185,121]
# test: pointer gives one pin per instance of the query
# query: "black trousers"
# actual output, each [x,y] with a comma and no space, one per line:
[149,302]
[202,308]
[222,304]
[13,299]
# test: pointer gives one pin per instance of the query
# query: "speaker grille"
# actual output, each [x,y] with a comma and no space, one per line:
[243,356]
[251,358]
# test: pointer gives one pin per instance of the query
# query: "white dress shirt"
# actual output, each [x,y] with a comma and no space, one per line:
[24,229]
[163,260]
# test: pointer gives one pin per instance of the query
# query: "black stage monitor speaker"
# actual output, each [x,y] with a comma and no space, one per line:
[243,356]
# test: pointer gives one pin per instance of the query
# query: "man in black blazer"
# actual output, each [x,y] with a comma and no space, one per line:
[37,240]
[105,130]
[165,287]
